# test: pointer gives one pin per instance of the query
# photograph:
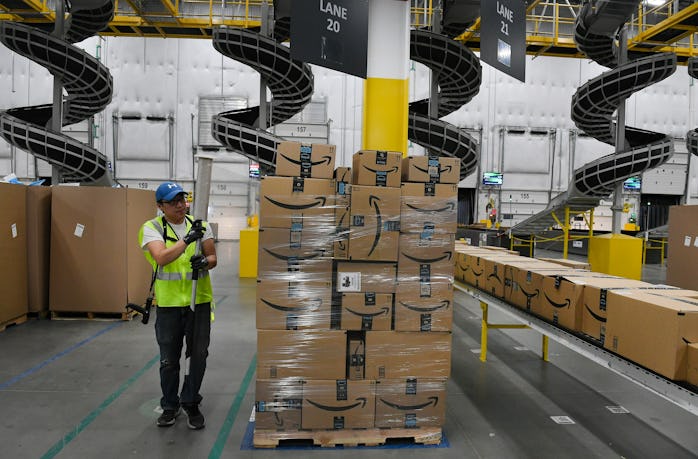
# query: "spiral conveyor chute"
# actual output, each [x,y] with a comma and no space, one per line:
[692,135]
[593,106]
[290,83]
[86,80]
[459,74]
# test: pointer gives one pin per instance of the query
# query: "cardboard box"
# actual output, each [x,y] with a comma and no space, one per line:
[301,354]
[435,169]
[424,291]
[38,246]
[429,208]
[423,314]
[569,263]
[495,272]
[594,301]
[342,178]
[97,264]
[692,364]
[278,404]
[523,285]
[356,355]
[13,246]
[355,277]
[651,330]
[294,306]
[366,311]
[340,404]
[285,254]
[295,202]
[295,159]
[682,249]
[408,403]
[425,262]
[374,223]
[562,302]
[401,355]
[377,168]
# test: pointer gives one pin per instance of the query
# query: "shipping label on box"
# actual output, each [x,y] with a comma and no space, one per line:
[367,277]
[294,306]
[410,403]
[377,168]
[342,178]
[295,202]
[295,159]
[366,311]
[278,404]
[441,169]
[341,404]
[356,355]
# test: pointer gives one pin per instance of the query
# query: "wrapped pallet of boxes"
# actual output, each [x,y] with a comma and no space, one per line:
[13,246]
[329,350]
[94,245]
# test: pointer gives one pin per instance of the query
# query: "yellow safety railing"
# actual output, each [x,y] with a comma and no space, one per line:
[649,244]
[486,325]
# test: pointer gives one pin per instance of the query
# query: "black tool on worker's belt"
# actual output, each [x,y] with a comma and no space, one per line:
[144,310]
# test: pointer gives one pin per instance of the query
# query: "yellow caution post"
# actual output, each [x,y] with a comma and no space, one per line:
[616,254]
[249,242]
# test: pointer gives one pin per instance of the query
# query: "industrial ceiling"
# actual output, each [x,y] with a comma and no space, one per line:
[658,25]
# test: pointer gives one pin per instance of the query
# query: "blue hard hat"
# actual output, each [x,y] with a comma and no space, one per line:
[168,191]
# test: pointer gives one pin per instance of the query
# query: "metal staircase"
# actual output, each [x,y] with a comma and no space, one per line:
[593,106]
[86,80]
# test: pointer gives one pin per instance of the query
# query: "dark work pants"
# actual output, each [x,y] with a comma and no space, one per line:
[173,327]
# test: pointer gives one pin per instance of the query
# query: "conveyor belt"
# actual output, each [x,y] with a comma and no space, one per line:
[593,106]
[86,80]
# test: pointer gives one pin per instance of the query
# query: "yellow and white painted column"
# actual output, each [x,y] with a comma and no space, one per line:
[386,90]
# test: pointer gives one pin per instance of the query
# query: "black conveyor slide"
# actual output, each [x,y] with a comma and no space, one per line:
[594,104]
[290,83]
[692,135]
[86,80]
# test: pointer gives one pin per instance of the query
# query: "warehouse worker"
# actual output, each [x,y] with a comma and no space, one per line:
[168,243]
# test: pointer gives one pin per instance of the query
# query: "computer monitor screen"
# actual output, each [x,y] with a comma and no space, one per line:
[254,169]
[632,184]
[492,178]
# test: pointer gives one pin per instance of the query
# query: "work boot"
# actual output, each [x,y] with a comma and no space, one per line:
[168,417]
[195,420]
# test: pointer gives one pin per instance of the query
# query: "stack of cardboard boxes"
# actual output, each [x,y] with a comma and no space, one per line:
[654,326]
[355,291]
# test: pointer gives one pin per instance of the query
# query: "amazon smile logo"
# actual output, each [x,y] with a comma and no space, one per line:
[287,257]
[496,276]
[361,402]
[444,305]
[446,256]
[431,401]
[529,296]
[383,310]
[426,171]
[324,159]
[450,207]
[318,202]
[376,171]
[566,304]
[312,305]
[373,200]
[594,315]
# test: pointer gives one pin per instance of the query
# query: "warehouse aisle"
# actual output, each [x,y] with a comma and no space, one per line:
[79,388]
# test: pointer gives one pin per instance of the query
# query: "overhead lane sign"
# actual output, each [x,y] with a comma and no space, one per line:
[503,36]
[331,33]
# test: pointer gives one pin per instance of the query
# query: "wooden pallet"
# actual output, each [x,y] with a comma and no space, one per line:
[348,438]
[16,321]
[86,315]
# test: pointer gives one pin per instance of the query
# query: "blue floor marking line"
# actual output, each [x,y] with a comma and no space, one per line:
[247,443]
[70,436]
[227,426]
[33,370]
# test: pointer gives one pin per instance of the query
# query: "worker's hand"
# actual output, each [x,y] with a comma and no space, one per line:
[195,233]
[198,262]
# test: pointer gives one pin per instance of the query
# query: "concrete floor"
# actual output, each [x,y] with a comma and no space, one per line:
[90,389]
